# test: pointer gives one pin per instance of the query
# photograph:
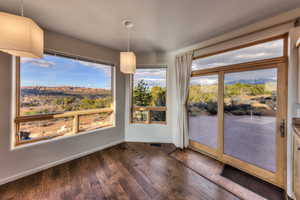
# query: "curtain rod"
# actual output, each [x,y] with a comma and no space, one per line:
[77,57]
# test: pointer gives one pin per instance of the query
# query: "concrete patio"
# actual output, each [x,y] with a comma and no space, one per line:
[250,139]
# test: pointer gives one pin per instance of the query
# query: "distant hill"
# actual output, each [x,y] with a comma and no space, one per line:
[63,91]
[252,82]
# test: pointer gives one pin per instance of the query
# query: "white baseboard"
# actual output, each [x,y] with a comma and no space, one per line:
[149,140]
[52,164]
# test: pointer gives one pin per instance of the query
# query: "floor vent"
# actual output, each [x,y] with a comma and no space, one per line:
[155,144]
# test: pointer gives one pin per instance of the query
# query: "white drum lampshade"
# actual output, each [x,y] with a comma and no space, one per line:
[20,36]
[127,62]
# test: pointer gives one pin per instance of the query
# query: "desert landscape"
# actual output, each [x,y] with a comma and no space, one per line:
[35,100]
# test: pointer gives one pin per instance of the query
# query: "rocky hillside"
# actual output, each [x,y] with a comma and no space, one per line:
[64,91]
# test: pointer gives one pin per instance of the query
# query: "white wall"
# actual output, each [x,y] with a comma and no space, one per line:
[159,133]
[19,162]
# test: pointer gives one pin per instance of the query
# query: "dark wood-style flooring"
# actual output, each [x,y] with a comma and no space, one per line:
[254,184]
[126,171]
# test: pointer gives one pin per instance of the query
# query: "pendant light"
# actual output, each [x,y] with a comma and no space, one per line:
[20,36]
[128,59]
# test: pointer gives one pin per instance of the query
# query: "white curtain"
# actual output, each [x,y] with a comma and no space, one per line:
[183,69]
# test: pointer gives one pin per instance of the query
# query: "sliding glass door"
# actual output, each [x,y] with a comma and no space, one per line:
[250,110]
[237,107]
[203,111]
[237,116]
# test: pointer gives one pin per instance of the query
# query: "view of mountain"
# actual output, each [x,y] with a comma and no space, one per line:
[251,81]
[64,91]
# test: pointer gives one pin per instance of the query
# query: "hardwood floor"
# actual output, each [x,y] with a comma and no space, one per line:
[127,171]
[258,186]
[243,185]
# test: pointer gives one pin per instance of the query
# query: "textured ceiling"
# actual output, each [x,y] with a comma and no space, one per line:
[160,25]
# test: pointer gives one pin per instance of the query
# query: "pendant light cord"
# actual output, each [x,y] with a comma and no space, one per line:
[22,8]
[128,25]
[128,42]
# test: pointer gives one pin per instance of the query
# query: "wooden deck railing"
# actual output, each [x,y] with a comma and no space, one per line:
[73,114]
[148,109]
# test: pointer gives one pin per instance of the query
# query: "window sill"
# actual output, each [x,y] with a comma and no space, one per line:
[96,131]
[145,123]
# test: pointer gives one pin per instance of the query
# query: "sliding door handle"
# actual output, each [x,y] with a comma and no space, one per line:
[282,128]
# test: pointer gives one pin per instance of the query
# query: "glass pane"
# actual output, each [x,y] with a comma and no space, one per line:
[139,116]
[203,110]
[250,104]
[158,116]
[44,128]
[55,84]
[261,51]
[149,89]
[95,121]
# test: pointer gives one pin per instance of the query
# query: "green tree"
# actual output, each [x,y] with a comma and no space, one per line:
[67,103]
[103,102]
[203,94]
[158,99]
[86,103]
[142,94]
[158,95]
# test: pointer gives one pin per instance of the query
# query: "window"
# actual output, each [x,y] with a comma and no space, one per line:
[266,50]
[203,109]
[59,96]
[149,96]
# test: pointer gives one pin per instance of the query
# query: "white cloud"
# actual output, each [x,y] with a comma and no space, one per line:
[150,73]
[151,82]
[91,64]
[196,66]
[267,74]
[100,67]
[273,44]
[38,62]
[261,51]
[203,81]
[151,79]
[253,55]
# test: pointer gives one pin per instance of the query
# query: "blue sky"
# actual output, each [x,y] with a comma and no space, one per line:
[251,76]
[59,71]
[153,77]
[265,50]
